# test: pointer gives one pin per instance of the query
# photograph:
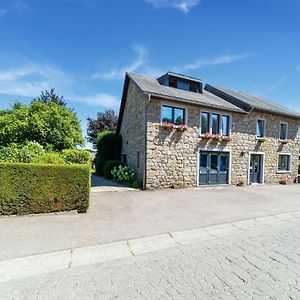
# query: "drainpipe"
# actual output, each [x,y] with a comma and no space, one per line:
[145,163]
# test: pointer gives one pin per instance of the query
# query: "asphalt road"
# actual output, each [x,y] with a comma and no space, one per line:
[260,262]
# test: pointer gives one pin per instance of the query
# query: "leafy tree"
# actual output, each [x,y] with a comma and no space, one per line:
[50,124]
[106,121]
[50,96]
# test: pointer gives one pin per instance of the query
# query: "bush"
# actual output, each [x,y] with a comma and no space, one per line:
[33,188]
[123,174]
[109,166]
[137,185]
[108,148]
[73,156]
[21,153]
[49,158]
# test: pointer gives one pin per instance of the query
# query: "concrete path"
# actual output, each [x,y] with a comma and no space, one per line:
[101,184]
[78,257]
[115,217]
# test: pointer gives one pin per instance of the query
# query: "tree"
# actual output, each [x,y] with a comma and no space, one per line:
[106,121]
[50,96]
[50,124]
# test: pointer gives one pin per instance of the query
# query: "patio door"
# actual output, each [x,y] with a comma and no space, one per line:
[256,168]
[213,167]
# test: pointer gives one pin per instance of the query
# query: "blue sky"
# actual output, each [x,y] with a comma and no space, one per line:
[83,47]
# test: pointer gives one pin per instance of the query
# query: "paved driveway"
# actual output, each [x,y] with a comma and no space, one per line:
[115,216]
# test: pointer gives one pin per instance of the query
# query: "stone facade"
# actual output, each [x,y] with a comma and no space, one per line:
[133,130]
[172,156]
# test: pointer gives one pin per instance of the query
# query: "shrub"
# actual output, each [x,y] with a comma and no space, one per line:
[74,156]
[33,188]
[21,153]
[137,185]
[49,158]
[108,148]
[123,174]
[109,166]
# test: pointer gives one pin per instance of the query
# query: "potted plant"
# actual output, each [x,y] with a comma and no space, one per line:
[241,182]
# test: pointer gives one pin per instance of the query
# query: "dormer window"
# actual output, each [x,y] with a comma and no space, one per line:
[181,82]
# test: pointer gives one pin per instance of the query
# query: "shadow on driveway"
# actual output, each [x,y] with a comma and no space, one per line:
[101,184]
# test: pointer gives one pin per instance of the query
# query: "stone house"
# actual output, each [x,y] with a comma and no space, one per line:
[177,132]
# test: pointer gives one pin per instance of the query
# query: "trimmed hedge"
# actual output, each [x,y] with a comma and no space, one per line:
[34,188]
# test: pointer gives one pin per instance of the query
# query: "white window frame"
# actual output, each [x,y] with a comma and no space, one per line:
[287,130]
[170,104]
[221,114]
[290,163]
[265,128]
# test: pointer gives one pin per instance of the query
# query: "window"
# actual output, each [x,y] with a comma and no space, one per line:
[284,162]
[225,125]
[260,128]
[182,85]
[215,126]
[215,123]
[173,115]
[204,122]
[283,133]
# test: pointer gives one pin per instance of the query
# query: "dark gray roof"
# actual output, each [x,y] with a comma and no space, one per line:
[180,76]
[250,102]
[152,86]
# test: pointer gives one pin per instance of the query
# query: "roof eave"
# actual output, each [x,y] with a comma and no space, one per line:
[178,99]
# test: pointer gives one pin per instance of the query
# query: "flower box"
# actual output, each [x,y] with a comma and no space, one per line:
[171,126]
[217,137]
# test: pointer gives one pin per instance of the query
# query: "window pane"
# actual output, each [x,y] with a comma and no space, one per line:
[182,85]
[203,163]
[215,123]
[284,163]
[178,116]
[225,125]
[204,122]
[167,114]
[223,164]
[260,128]
[214,164]
[283,131]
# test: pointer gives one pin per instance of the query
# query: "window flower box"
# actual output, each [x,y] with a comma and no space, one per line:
[217,137]
[171,126]
[261,139]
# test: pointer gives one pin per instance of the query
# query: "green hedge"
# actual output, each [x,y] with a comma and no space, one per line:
[34,188]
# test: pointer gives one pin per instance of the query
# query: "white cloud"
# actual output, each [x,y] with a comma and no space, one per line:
[3,11]
[183,5]
[31,78]
[119,73]
[17,6]
[219,60]
[104,100]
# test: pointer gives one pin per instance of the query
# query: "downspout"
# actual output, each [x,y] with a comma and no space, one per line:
[146,127]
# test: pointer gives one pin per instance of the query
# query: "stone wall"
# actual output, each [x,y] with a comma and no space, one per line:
[133,129]
[172,156]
